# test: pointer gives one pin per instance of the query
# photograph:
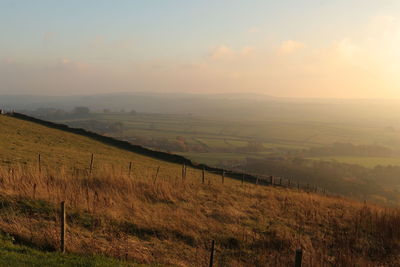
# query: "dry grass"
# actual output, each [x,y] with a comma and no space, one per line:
[170,221]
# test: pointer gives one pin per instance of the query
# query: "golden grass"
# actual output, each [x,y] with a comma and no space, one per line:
[161,218]
[170,221]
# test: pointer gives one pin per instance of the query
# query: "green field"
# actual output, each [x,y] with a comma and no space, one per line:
[12,254]
[368,162]
[225,139]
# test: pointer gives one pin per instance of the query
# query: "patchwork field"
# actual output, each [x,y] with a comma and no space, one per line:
[368,162]
[223,139]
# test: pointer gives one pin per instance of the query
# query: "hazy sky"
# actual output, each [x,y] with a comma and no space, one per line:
[306,48]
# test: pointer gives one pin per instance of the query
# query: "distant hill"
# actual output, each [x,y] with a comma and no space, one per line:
[228,106]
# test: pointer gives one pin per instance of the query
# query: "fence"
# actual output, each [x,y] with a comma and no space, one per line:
[244,177]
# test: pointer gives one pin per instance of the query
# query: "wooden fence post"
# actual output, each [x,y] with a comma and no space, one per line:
[202,176]
[91,164]
[130,169]
[34,191]
[155,178]
[39,164]
[298,258]
[212,254]
[63,226]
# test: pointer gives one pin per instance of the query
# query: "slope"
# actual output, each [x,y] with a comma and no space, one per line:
[155,217]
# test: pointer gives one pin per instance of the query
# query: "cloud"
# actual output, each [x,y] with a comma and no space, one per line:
[222,51]
[247,51]
[365,63]
[290,46]
[71,66]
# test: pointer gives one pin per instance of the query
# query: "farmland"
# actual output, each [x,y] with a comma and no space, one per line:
[368,162]
[214,141]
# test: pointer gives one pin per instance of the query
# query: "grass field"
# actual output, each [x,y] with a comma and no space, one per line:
[216,158]
[21,142]
[275,135]
[12,254]
[368,162]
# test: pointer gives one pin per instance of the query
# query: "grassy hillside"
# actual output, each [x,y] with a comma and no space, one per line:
[12,254]
[22,141]
[152,218]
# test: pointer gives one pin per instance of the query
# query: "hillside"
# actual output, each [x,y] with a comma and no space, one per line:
[18,255]
[153,216]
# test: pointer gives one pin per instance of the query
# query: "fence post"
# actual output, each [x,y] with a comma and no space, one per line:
[39,164]
[298,258]
[202,176]
[91,164]
[63,226]
[130,169]
[183,171]
[212,254]
[34,191]
[155,178]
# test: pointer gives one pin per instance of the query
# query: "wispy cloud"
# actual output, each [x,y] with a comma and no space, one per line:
[290,46]
[222,52]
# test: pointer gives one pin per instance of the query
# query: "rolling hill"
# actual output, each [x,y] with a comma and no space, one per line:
[153,215]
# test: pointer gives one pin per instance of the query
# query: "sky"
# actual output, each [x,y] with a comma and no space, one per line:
[297,48]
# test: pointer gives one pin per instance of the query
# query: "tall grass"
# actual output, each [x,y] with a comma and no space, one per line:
[164,219]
